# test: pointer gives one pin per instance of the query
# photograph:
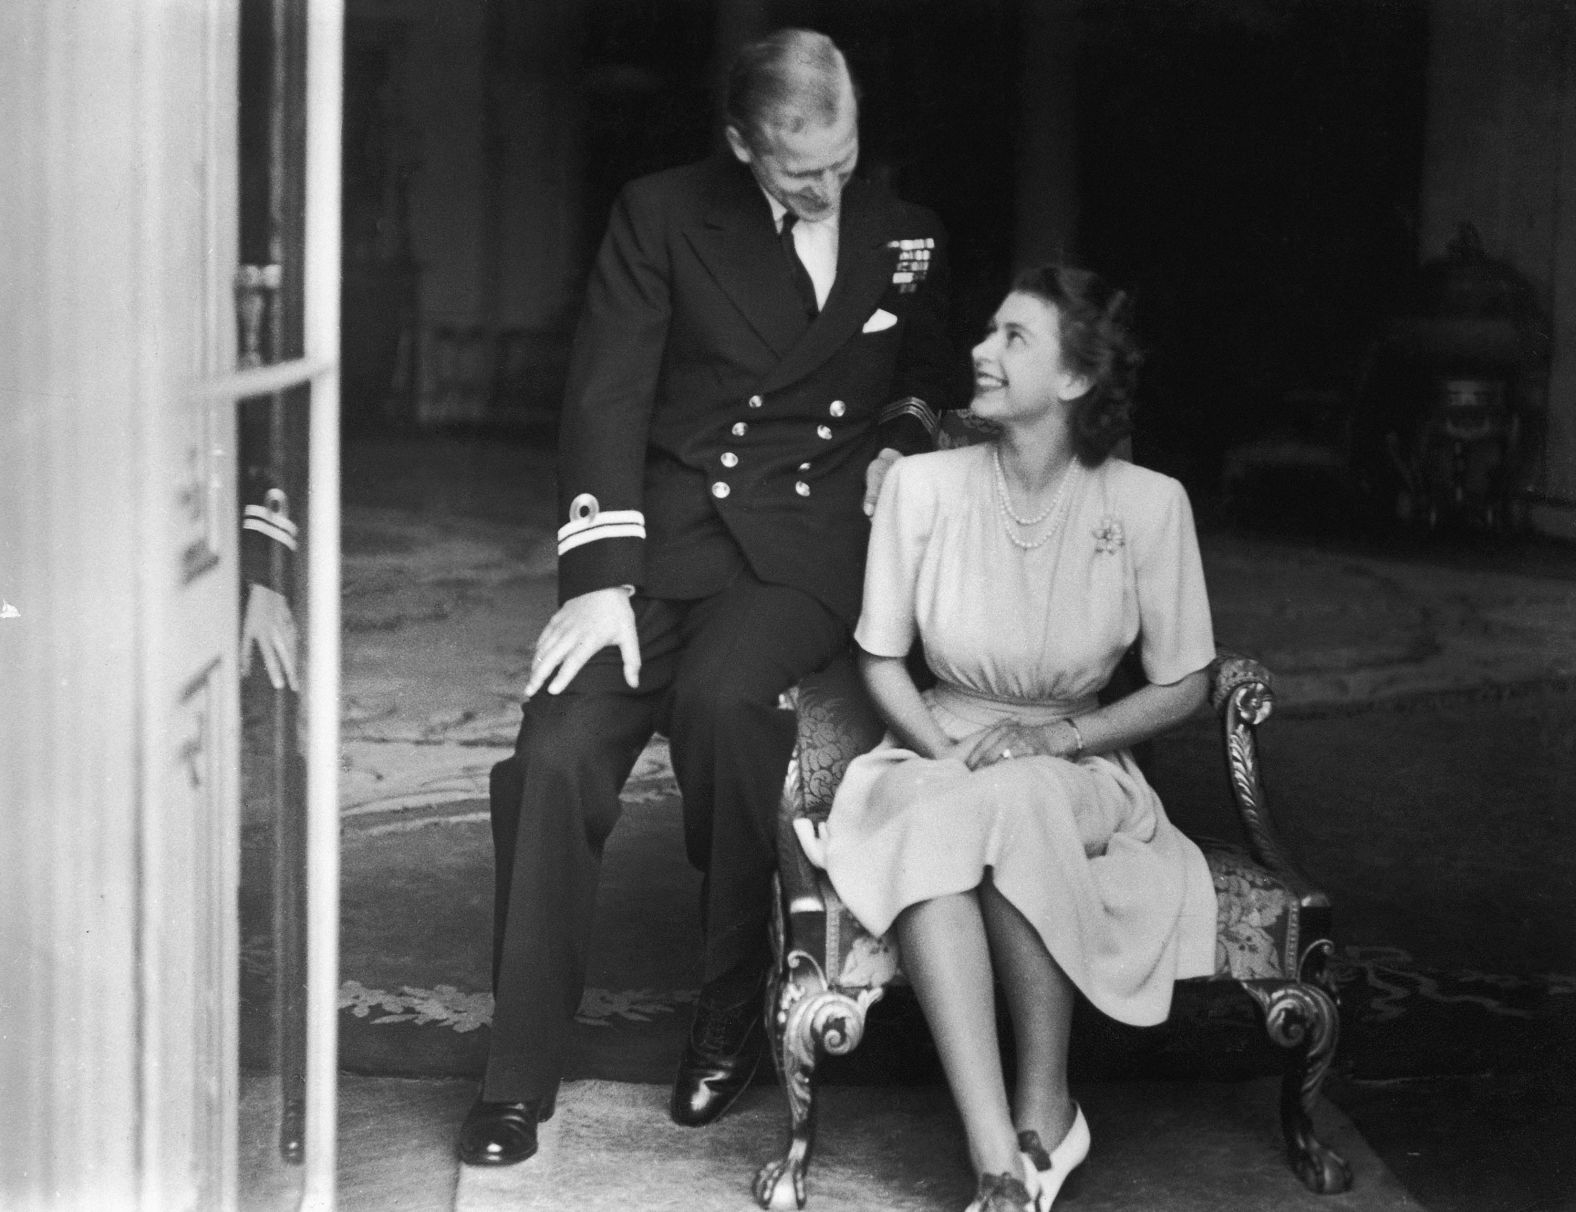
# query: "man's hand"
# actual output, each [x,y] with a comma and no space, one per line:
[269,625]
[875,475]
[581,628]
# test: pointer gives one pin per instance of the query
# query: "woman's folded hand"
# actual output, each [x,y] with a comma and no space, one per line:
[1013,738]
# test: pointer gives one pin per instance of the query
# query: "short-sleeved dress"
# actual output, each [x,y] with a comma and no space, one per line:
[1122,899]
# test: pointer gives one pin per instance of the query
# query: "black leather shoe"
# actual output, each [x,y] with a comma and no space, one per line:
[501,1134]
[724,1050]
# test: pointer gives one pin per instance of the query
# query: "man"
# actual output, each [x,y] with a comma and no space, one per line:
[762,335]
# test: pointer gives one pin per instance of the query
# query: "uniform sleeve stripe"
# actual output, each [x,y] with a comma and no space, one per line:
[609,524]
[590,525]
[270,528]
[273,517]
[628,530]
[911,406]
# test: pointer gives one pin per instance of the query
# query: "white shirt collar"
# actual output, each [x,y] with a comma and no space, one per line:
[816,243]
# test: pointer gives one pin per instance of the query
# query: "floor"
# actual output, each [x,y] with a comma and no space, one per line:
[1386,628]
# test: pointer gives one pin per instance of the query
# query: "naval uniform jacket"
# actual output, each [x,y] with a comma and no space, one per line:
[707,422]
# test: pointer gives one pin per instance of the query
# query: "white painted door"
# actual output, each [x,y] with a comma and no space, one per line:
[118,631]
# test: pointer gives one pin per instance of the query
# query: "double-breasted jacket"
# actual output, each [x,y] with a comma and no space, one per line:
[707,421]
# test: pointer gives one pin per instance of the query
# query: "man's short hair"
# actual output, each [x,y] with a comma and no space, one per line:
[788,80]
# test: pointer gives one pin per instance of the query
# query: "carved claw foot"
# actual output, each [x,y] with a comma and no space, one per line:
[808,1021]
[1321,1169]
[780,1185]
[1302,1017]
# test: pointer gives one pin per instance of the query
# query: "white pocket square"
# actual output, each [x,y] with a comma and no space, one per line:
[880,321]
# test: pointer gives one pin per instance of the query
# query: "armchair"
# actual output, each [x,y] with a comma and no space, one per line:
[1272,940]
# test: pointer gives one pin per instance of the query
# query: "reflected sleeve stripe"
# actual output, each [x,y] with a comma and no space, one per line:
[609,524]
[269,524]
[911,406]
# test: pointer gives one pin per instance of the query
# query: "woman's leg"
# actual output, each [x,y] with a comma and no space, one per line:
[1040,1000]
[947,958]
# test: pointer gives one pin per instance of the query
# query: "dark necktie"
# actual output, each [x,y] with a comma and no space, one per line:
[796,269]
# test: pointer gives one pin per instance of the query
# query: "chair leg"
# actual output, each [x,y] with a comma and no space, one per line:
[1301,1016]
[809,1021]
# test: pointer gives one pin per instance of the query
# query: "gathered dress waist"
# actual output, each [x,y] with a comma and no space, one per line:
[984,709]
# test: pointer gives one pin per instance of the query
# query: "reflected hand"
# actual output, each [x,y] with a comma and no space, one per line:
[269,624]
[875,476]
[581,628]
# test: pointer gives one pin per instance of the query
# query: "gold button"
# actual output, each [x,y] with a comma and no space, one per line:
[802,488]
[729,459]
[756,401]
[740,429]
[720,490]
[824,431]
[804,467]
[838,408]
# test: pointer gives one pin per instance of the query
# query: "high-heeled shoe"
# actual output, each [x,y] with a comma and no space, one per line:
[1054,1168]
[1009,1193]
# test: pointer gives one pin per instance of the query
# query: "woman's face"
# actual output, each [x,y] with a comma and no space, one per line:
[1018,371]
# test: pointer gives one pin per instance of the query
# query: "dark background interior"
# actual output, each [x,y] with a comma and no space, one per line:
[1251,170]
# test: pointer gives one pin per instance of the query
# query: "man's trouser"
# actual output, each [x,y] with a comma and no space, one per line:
[711,675]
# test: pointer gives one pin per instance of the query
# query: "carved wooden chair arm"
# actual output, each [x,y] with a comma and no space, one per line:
[1242,692]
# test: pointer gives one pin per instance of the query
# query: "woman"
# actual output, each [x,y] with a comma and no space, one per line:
[1002,829]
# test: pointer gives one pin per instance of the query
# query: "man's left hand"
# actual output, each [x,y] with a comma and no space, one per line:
[875,475]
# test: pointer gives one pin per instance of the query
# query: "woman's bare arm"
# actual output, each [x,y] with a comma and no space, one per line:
[899,702]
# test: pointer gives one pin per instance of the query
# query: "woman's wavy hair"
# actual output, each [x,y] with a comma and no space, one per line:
[1095,326]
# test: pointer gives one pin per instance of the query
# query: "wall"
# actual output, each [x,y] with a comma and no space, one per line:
[1501,126]
[488,104]
[443,93]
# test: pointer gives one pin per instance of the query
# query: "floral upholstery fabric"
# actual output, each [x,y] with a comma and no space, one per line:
[1257,926]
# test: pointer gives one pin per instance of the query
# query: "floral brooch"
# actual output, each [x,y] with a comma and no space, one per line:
[1108,534]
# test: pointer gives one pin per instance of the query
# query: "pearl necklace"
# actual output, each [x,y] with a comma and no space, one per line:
[1008,516]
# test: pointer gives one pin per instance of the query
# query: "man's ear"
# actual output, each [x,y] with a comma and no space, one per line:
[741,149]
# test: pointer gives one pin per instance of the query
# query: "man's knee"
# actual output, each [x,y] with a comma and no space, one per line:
[723,710]
[558,733]
[566,766]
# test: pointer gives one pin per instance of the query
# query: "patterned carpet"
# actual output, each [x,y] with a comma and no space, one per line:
[415,1001]
[1421,765]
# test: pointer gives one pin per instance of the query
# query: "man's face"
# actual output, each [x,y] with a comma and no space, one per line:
[805,170]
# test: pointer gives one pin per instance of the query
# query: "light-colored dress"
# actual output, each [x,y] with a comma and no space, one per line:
[1122,899]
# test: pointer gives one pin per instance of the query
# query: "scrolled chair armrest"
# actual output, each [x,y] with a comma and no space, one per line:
[1242,692]
[1230,672]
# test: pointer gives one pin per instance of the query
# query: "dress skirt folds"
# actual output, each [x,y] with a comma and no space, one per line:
[1122,899]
